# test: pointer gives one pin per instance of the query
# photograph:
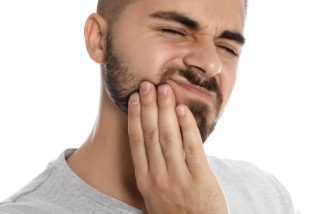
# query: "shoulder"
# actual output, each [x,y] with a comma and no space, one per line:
[246,187]
[34,197]
[240,171]
[243,174]
[26,199]
[240,168]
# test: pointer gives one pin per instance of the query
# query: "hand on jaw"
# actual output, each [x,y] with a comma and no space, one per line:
[171,168]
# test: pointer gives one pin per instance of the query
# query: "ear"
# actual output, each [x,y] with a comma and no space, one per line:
[95,32]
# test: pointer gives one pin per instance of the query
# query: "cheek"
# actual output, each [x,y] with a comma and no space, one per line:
[227,80]
[150,57]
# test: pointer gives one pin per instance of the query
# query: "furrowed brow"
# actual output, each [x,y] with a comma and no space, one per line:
[234,36]
[177,17]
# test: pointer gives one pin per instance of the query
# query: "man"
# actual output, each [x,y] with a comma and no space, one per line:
[168,69]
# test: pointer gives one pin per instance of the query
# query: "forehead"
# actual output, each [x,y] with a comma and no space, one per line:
[217,15]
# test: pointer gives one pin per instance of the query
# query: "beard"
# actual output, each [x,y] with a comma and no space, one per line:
[121,83]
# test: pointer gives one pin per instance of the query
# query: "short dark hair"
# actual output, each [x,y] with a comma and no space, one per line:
[111,9]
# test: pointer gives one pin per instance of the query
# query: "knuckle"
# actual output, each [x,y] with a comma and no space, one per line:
[135,141]
[191,149]
[177,182]
[160,184]
[166,141]
[150,134]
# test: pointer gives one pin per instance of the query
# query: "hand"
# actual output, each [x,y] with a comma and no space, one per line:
[171,168]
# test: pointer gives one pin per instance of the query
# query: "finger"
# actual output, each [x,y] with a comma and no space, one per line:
[192,142]
[149,120]
[170,135]
[136,139]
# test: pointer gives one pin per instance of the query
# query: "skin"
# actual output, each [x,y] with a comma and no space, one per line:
[152,158]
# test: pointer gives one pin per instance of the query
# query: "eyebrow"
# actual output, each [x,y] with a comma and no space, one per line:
[234,36]
[177,17]
[194,25]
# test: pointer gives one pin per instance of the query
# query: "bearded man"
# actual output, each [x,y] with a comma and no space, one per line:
[168,69]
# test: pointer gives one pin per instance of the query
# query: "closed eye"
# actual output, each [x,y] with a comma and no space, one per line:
[229,50]
[172,32]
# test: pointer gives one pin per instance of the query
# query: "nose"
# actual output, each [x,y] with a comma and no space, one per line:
[203,56]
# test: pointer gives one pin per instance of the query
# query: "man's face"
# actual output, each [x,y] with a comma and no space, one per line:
[191,45]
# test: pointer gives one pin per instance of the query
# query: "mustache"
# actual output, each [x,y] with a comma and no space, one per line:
[193,78]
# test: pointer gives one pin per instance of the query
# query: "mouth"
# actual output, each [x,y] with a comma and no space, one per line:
[192,90]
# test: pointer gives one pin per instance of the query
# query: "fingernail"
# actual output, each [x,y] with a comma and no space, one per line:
[162,91]
[144,88]
[181,111]
[134,99]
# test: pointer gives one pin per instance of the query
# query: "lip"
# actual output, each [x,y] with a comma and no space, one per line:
[195,90]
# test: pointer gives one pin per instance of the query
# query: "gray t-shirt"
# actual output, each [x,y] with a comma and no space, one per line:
[58,189]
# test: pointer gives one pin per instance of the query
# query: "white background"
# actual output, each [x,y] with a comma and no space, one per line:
[275,119]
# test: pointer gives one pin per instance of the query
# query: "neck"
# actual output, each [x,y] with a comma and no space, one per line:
[104,160]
